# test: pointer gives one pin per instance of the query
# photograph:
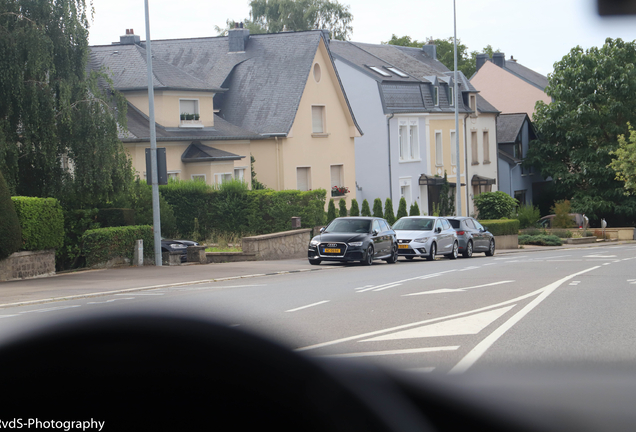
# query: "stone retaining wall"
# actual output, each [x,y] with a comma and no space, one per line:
[26,265]
[282,245]
[507,242]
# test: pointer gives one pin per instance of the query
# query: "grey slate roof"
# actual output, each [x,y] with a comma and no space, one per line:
[526,74]
[139,130]
[484,106]
[197,152]
[509,126]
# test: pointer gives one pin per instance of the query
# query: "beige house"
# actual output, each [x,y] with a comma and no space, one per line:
[508,85]
[218,101]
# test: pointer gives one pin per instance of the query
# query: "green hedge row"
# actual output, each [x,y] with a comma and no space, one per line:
[102,244]
[42,222]
[500,227]
[540,240]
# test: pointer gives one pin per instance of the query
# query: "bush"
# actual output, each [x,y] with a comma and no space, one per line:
[495,205]
[103,244]
[271,211]
[142,204]
[562,233]
[540,240]
[501,227]
[331,211]
[76,223]
[355,210]
[377,208]
[389,215]
[366,211]
[414,210]
[42,222]
[528,215]
[112,217]
[562,219]
[10,232]
[342,208]
[189,200]
[401,208]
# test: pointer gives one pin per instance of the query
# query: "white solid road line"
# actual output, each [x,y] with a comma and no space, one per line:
[420,370]
[474,355]
[112,300]
[308,306]
[393,352]
[50,309]
[449,290]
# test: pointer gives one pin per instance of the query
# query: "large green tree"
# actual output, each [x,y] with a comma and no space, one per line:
[272,16]
[624,161]
[58,127]
[594,98]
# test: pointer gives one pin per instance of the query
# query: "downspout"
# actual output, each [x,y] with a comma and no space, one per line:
[388,134]
[459,177]
[277,163]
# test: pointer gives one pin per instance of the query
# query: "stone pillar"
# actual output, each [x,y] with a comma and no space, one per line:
[138,255]
[197,254]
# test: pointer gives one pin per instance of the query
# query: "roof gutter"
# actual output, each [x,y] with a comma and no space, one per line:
[275,135]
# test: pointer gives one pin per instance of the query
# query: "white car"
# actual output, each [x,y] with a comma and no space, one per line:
[425,237]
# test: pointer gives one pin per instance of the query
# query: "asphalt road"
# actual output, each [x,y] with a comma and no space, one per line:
[447,316]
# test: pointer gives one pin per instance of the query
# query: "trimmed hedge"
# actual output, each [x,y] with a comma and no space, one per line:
[103,244]
[10,233]
[500,227]
[42,222]
[540,240]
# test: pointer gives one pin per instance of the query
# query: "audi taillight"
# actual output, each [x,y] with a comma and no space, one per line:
[461,232]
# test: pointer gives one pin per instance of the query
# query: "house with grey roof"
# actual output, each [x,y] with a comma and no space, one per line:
[220,100]
[402,98]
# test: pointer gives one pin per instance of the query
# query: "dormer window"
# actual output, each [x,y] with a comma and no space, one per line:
[436,95]
[451,96]
[189,113]
[398,72]
[380,71]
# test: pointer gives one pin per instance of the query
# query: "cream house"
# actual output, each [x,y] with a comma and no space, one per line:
[218,101]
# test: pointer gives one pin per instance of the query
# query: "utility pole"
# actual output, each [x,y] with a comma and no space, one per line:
[458,190]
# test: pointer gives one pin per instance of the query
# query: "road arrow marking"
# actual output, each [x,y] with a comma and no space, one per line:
[451,290]
[394,352]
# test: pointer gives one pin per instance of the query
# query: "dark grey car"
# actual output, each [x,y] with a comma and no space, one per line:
[472,236]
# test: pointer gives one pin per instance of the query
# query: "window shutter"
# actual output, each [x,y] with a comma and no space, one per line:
[316,119]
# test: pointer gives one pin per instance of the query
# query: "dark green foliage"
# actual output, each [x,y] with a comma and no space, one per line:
[355,209]
[501,227]
[593,93]
[103,244]
[342,208]
[389,215]
[528,215]
[495,205]
[271,211]
[446,198]
[561,233]
[256,185]
[401,208]
[141,202]
[42,222]
[331,211]
[540,240]
[52,111]
[366,211]
[10,232]
[377,208]
[230,208]
[112,217]
[189,200]
[76,223]
[414,210]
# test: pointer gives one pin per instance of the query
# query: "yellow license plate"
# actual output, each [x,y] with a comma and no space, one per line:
[328,250]
[403,246]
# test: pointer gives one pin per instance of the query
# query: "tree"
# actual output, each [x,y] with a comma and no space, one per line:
[402,208]
[377,208]
[366,211]
[342,208]
[495,205]
[389,215]
[414,210]
[446,198]
[272,16]
[331,211]
[58,127]
[256,185]
[10,232]
[355,209]
[594,98]
[624,161]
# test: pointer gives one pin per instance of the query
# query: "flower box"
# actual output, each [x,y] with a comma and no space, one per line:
[339,191]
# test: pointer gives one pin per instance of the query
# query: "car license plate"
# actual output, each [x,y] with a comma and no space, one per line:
[331,250]
[403,246]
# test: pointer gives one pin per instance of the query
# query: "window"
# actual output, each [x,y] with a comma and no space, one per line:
[446,224]
[189,108]
[337,175]
[239,174]
[474,148]
[439,157]
[376,226]
[436,95]
[520,196]
[318,119]
[405,190]
[453,149]
[222,178]
[486,145]
[198,177]
[473,103]
[398,72]
[380,71]
[408,139]
[317,72]
[303,179]
[173,175]
[451,98]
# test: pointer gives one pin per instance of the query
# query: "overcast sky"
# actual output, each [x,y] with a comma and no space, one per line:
[536,32]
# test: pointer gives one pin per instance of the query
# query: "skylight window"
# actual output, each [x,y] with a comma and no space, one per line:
[380,71]
[398,72]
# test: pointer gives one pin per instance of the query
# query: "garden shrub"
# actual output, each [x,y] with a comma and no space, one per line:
[271,211]
[42,222]
[540,240]
[342,208]
[495,205]
[112,217]
[377,208]
[561,233]
[355,210]
[331,211]
[528,215]
[414,210]
[366,211]
[401,208]
[189,200]
[562,219]
[76,223]
[10,232]
[389,215]
[103,244]
[501,227]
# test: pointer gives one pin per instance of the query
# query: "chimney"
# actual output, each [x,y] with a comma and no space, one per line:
[512,59]
[430,50]
[499,59]
[130,39]
[481,59]
[237,38]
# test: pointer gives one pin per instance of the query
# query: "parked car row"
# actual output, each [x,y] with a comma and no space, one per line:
[365,239]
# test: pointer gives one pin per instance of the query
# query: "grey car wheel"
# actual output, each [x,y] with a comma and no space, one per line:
[368,259]
[469,250]
[453,255]
[431,254]
[394,256]
[491,248]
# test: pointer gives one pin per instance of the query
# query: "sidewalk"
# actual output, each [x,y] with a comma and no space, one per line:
[89,283]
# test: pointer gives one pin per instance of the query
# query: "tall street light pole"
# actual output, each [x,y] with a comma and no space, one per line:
[458,191]
[156,222]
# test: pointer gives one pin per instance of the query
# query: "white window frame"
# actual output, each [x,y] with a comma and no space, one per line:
[222,177]
[453,147]
[308,179]
[241,171]
[486,145]
[439,149]
[405,185]
[196,105]
[323,118]
[341,176]
[451,96]
[198,176]
[397,72]
[408,139]
[436,95]
[378,70]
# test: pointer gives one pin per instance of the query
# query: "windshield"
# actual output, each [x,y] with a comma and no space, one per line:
[419,224]
[454,223]
[348,226]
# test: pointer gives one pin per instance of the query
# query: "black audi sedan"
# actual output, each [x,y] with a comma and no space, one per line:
[349,239]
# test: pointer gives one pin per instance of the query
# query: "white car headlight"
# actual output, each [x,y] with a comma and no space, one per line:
[421,240]
[178,246]
[314,242]
[356,243]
